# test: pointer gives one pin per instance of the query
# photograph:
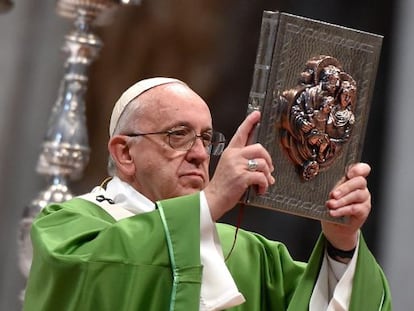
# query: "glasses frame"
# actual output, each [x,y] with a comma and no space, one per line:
[215,146]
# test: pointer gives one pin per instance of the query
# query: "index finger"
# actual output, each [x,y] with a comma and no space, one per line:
[350,181]
[244,130]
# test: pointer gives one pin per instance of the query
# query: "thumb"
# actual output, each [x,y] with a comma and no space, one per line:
[244,130]
[358,169]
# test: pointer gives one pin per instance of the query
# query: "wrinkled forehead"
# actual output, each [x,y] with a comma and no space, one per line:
[172,105]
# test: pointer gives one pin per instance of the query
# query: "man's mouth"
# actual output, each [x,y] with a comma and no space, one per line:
[193,176]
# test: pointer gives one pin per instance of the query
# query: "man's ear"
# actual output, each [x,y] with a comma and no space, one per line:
[120,152]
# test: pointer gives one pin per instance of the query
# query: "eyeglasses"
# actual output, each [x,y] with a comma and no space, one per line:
[183,138]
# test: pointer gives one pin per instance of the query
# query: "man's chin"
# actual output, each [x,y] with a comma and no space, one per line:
[193,188]
[193,182]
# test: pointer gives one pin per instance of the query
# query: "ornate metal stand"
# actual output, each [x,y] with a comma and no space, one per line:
[65,150]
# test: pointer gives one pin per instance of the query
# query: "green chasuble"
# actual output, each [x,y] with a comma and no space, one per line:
[84,260]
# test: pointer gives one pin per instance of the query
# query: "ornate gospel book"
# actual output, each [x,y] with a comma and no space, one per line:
[313,83]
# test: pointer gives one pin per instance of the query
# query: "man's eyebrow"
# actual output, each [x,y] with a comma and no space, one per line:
[189,125]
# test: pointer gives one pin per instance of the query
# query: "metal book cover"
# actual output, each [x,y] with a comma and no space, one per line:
[313,83]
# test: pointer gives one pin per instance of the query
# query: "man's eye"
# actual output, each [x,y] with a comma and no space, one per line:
[179,133]
[207,137]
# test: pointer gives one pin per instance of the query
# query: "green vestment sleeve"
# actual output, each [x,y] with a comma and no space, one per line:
[270,280]
[84,260]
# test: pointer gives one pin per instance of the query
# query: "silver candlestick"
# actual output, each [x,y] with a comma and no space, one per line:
[65,149]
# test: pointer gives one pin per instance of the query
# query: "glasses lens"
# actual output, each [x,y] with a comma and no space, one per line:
[181,138]
[218,142]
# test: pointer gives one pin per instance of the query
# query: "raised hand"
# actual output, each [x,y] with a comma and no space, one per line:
[351,198]
[233,173]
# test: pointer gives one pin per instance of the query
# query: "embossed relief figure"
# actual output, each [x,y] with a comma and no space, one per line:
[317,115]
[342,118]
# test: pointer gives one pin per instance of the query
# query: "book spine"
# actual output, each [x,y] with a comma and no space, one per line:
[263,60]
[261,73]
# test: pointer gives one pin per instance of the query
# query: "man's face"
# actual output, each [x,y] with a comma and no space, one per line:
[330,81]
[161,171]
[346,94]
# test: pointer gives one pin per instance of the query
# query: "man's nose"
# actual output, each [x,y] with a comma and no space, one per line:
[199,149]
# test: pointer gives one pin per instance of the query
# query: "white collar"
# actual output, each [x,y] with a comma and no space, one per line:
[128,197]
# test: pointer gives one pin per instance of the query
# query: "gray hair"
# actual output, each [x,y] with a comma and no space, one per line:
[131,112]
